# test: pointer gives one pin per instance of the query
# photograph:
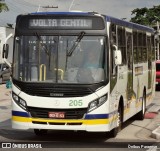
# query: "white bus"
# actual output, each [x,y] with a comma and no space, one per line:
[56,86]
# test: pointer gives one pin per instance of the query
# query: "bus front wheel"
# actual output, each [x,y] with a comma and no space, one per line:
[115,131]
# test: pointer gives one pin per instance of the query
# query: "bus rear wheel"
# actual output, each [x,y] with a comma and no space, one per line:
[40,132]
[141,114]
[115,131]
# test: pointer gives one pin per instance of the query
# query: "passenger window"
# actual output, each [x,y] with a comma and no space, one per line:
[135,47]
[122,43]
[113,75]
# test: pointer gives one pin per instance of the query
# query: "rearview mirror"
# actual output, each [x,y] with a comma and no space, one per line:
[5,50]
[117,56]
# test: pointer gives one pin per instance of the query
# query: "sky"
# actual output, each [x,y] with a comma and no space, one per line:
[116,8]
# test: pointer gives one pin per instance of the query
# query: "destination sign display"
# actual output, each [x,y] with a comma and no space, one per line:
[61,23]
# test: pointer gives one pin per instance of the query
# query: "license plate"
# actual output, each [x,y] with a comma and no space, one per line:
[56,115]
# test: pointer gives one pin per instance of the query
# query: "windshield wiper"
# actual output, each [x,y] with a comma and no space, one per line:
[75,44]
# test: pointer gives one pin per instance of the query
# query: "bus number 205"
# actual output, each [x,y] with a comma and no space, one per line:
[75,103]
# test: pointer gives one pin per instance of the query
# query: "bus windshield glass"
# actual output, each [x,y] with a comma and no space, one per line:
[45,59]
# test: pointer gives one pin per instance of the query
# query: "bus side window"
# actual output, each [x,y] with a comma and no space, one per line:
[113,42]
[113,68]
[139,50]
[153,48]
[122,43]
[135,47]
[149,52]
[113,34]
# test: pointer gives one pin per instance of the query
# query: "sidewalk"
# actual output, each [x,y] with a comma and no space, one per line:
[154,115]
[5,93]
[5,104]
[155,112]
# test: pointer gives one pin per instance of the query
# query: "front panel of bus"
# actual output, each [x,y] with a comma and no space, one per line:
[60,72]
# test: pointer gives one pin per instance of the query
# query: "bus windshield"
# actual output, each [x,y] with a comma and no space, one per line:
[45,59]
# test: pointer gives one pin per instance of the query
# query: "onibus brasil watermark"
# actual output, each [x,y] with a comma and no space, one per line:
[21,145]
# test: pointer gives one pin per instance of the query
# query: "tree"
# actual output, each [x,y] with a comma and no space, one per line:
[146,16]
[3,7]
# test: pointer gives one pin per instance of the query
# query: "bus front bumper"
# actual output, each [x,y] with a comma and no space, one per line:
[92,125]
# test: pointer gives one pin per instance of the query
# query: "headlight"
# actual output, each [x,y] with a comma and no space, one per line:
[15,97]
[96,103]
[19,101]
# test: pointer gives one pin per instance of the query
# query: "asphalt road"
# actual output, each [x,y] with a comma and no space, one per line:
[134,134]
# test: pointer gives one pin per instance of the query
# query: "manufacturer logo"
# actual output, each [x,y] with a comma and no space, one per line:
[56,94]
[56,103]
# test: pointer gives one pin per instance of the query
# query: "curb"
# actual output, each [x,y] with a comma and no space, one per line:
[153,112]
[156,133]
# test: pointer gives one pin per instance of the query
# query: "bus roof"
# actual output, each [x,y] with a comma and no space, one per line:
[129,24]
[107,18]
[60,13]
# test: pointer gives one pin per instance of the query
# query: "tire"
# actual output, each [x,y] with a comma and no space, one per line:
[141,114]
[40,132]
[115,131]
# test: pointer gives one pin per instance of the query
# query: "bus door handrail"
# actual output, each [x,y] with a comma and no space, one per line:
[42,69]
[61,72]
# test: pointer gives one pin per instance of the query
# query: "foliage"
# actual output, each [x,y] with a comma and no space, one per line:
[146,16]
[3,7]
